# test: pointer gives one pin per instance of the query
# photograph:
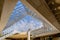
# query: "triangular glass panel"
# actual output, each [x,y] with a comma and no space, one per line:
[18,13]
[22,19]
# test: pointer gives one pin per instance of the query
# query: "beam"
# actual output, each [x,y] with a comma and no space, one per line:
[45,34]
[7,10]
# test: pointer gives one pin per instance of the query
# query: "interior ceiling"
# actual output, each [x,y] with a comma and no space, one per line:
[54,5]
[17,14]
[20,16]
[6,12]
[55,8]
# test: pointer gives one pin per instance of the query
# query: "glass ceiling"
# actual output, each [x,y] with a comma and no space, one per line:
[21,20]
[18,13]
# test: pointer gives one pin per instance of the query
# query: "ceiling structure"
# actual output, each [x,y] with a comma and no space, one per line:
[6,12]
[17,14]
[8,8]
[20,20]
[41,5]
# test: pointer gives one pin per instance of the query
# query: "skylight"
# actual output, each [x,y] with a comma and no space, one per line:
[18,13]
[26,23]
[21,20]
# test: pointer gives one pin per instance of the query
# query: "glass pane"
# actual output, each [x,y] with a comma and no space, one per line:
[22,19]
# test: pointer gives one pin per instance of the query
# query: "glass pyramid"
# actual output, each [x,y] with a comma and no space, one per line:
[21,20]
